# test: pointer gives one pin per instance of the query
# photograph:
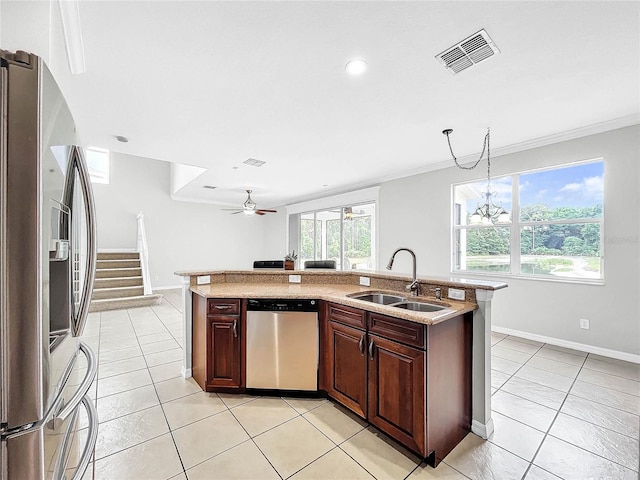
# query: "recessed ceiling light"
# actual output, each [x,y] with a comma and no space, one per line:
[356,66]
[122,139]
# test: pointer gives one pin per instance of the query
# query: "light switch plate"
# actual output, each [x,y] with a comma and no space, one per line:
[294,279]
[365,281]
[203,279]
[456,294]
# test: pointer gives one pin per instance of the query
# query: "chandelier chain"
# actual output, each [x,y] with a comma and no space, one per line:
[485,147]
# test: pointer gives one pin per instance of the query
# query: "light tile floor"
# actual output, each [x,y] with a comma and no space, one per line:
[558,413]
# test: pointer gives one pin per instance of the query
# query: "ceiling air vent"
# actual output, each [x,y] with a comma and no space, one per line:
[253,162]
[468,52]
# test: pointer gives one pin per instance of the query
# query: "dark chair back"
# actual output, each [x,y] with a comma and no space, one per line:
[320,264]
[269,264]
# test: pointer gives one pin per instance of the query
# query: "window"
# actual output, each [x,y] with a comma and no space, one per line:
[555,230]
[98,164]
[344,234]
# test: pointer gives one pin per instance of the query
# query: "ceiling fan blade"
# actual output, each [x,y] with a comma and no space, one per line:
[236,212]
[266,211]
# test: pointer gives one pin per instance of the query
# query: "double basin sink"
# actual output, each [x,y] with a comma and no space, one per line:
[397,301]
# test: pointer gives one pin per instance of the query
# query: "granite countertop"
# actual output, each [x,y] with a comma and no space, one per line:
[352,274]
[335,293]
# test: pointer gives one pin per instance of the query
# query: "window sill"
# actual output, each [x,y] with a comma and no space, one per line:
[506,276]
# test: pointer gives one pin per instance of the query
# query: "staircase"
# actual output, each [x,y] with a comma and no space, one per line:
[118,283]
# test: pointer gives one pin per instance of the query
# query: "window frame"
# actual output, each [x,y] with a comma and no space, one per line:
[324,246]
[516,225]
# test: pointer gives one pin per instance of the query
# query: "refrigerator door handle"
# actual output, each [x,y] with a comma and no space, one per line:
[72,404]
[90,446]
[87,451]
[78,163]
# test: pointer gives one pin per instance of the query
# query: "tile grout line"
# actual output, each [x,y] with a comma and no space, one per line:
[547,434]
[251,439]
[158,397]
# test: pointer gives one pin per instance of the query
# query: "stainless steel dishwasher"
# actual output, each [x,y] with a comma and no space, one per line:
[282,344]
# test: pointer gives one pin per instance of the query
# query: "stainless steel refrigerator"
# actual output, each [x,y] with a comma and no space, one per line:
[47,259]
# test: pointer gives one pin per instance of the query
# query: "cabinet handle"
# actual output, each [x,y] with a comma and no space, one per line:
[371,349]
[222,307]
[235,328]
[361,345]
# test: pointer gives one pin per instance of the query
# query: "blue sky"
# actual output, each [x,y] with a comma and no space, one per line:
[572,186]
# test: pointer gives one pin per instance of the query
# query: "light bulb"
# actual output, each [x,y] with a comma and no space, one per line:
[356,66]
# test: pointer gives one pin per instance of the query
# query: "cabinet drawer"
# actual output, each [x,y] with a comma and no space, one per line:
[348,315]
[409,333]
[218,306]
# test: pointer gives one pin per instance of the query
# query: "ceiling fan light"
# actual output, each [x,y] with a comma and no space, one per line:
[249,211]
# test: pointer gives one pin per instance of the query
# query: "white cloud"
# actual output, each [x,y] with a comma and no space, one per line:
[590,187]
[571,187]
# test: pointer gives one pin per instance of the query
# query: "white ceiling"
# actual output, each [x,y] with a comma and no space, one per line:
[211,84]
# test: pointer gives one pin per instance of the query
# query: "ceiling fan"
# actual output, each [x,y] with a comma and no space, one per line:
[249,207]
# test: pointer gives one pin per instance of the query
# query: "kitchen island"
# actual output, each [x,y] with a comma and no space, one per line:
[459,328]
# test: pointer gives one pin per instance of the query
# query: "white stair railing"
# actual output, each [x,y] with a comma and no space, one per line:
[144,254]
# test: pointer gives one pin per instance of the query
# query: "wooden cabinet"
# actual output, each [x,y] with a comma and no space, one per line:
[412,381]
[396,391]
[224,347]
[217,344]
[348,366]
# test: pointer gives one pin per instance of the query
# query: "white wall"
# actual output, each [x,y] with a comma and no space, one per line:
[180,235]
[415,212]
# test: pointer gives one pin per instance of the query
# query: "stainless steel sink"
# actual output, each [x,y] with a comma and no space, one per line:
[419,306]
[380,298]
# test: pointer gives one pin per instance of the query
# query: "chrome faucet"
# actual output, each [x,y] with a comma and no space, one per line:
[414,286]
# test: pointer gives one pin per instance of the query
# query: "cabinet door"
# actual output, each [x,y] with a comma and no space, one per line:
[396,391]
[224,352]
[347,376]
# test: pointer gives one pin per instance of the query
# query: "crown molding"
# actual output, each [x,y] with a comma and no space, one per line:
[594,129]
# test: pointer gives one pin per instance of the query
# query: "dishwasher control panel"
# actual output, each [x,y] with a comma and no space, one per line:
[282,305]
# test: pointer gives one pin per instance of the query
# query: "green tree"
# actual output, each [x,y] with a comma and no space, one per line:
[574,246]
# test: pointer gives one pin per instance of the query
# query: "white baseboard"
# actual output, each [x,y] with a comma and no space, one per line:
[605,352]
[176,287]
[186,372]
[482,430]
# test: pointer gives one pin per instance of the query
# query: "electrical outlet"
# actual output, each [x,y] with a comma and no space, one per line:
[203,279]
[365,281]
[294,279]
[456,294]
[584,323]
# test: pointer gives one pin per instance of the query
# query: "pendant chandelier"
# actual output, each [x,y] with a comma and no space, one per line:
[487,213]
